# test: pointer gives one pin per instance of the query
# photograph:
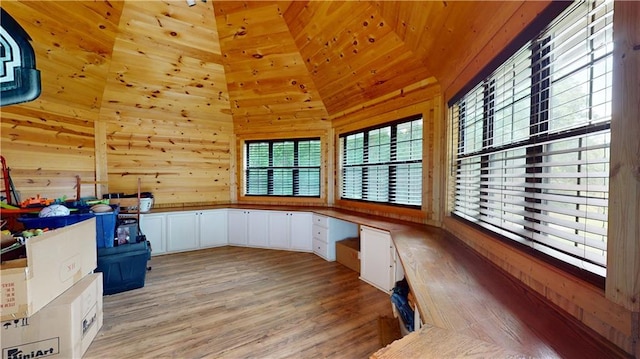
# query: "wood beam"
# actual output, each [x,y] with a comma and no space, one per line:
[623,255]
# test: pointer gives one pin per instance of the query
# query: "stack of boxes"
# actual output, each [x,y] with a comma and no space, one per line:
[51,301]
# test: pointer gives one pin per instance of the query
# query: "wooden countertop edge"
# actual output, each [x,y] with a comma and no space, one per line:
[383,223]
[433,342]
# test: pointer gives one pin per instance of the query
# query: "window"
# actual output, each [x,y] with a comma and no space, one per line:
[532,141]
[384,164]
[283,168]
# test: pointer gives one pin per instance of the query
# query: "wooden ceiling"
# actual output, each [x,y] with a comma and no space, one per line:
[328,56]
[291,60]
[161,90]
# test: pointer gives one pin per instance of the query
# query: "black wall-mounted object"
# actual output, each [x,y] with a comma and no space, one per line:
[19,79]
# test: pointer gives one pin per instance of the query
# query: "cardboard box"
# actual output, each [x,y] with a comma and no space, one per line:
[64,328]
[348,253]
[56,260]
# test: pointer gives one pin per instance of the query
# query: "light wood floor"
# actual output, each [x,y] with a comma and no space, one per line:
[233,302]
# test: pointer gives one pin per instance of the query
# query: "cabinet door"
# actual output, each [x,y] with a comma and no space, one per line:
[375,258]
[301,232]
[153,226]
[279,230]
[398,270]
[237,229]
[213,228]
[258,228]
[182,231]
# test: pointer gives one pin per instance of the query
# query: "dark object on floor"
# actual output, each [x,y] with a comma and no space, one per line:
[400,300]
[123,267]
[388,330]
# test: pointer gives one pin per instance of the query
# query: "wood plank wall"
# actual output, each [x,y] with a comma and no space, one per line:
[166,106]
[49,141]
[274,96]
[271,88]
[130,90]
[623,249]
[624,182]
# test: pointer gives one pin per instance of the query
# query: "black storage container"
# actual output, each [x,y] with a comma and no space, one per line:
[123,267]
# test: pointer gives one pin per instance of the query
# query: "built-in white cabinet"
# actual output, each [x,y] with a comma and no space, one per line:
[279,232]
[153,226]
[300,231]
[327,231]
[238,220]
[290,231]
[213,228]
[248,227]
[191,230]
[379,263]
[257,229]
[182,231]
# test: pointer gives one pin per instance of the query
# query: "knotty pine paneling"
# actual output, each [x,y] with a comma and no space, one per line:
[269,85]
[351,52]
[623,236]
[462,36]
[50,141]
[486,41]
[73,43]
[166,106]
[453,39]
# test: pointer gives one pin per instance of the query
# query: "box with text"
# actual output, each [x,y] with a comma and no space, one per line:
[64,328]
[55,261]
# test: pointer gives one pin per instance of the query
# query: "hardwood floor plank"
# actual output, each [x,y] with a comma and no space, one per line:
[233,302]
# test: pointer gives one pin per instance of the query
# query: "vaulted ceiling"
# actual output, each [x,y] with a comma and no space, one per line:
[285,59]
[327,56]
[163,90]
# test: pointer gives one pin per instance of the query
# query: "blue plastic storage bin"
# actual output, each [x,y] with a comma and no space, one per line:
[106,227]
[123,267]
[53,222]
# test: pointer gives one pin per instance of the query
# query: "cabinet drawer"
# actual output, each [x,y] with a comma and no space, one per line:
[320,233]
[320,248]
[321,220]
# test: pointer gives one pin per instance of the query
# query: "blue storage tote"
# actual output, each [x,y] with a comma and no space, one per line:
[106,227]
[53,222]
[123,267]
[105,224]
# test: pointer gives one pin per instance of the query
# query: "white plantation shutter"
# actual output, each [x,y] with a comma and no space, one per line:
[283,167]
[383,164]
[532,141]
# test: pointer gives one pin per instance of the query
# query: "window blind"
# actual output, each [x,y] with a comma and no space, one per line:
[383,164]
[532,141]
[283,167]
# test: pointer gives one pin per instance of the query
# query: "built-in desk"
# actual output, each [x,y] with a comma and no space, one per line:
[472,307]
